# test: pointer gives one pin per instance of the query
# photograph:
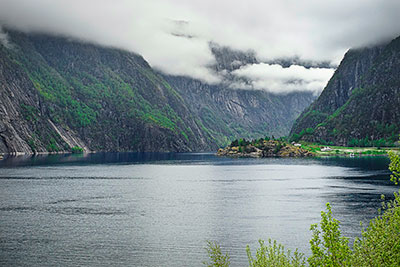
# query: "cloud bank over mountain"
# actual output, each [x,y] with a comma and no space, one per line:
[175,35]
[277,79]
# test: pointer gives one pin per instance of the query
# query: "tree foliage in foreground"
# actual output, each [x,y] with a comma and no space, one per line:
[217,258]
[379,244]
[333,248]
[394,167]
[274,254]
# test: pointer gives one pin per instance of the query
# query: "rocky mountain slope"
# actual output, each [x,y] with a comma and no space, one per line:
[229,113]
[57,93]
[360,106]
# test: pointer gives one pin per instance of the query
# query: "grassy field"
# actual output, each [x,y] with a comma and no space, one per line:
[347,151]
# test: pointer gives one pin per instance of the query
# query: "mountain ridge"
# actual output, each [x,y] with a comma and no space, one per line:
[360,104]
[58,93]
[75,85]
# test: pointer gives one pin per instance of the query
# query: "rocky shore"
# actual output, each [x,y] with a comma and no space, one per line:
[264,149]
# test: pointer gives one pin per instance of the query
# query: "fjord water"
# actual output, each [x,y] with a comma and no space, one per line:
[129,209]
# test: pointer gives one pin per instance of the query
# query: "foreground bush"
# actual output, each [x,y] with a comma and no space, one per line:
[332,249]
[394,167]
[217,258]
[274,255]
[380,242]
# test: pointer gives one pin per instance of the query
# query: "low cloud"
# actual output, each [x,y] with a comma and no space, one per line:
[4,38]
[277,79]
[174,35]
[149,28]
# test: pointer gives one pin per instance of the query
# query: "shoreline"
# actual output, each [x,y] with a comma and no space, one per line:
[18,154]
[343,152]
[313,156]
[274,148]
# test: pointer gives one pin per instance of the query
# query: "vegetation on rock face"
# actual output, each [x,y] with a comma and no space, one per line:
[360,106]
[107,99]
[77,150]
[378,244]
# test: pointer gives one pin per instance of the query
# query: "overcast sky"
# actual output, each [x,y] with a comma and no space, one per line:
[174,35]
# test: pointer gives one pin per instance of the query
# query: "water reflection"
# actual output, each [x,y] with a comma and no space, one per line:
[103,158]
[145,209]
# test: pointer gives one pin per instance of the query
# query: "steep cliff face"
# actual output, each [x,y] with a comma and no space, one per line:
[24,126]
[57,93]
[230,113]
[360,104]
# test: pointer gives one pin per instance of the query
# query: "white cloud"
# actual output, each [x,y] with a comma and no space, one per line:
[4,38]
[277,79]
[174,35]
[137,26]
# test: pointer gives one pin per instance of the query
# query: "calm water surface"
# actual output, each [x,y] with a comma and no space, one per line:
[128,209]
